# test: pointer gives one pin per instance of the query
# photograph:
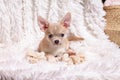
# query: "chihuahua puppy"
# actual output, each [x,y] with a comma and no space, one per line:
[55,40]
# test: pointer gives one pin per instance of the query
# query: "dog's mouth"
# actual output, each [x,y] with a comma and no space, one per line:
[57,44]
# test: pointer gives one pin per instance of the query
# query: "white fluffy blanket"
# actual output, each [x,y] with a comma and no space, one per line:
[19,32]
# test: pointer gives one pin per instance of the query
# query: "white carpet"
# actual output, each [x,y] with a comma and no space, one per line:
[20,32]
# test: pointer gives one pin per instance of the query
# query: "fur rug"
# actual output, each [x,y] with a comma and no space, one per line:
[19,32]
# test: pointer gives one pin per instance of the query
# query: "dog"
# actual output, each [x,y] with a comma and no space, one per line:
[56,41]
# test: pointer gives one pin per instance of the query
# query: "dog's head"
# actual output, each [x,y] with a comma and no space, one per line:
[55,33]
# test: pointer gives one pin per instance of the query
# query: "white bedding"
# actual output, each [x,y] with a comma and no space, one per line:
[19,32]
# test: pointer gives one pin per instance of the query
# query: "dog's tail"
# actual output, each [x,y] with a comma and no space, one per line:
[75,38]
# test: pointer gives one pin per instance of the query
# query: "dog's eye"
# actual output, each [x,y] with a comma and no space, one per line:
[50,35]
[62,35]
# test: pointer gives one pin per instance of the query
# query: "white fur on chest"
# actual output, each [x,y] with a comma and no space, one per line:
[59,51]
[56,50]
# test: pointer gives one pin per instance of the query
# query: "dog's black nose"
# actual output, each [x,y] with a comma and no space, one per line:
[56,41]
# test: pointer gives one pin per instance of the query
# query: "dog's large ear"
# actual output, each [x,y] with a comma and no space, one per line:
[42,23]
[66,20]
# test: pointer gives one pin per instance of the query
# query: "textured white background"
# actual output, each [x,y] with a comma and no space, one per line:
[19,32]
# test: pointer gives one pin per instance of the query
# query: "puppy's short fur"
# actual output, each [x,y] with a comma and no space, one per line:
[55,40]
